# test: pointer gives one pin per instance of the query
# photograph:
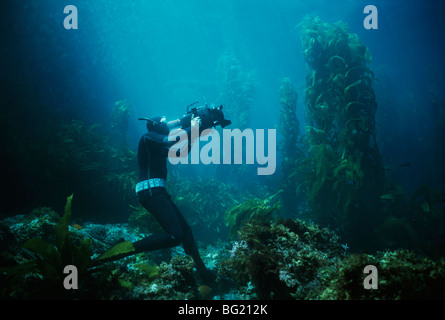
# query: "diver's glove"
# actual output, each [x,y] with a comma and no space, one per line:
[185,121]
[188,121]
[196,121]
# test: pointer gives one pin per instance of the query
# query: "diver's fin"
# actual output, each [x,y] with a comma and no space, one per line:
[119,251]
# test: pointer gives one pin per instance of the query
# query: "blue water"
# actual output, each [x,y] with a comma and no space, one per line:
[58,94]
[163,55]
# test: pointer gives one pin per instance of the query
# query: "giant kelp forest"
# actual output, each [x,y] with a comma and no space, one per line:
[304,235]
[346,175]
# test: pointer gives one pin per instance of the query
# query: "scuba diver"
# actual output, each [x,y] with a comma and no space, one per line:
[153,150]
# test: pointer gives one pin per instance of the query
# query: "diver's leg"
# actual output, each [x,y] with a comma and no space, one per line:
[160,206]
[165,213]
[191,248]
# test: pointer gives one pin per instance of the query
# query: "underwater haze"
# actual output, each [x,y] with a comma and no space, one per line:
[359,116]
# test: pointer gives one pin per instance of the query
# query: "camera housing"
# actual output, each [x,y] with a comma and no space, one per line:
[210,116]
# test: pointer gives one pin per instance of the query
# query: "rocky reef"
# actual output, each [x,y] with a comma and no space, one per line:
[270,259]
[282,260]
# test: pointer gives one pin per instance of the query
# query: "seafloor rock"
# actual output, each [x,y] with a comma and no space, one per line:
[285,259]
[282,260]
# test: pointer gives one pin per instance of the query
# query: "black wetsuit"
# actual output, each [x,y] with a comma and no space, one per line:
[152,158]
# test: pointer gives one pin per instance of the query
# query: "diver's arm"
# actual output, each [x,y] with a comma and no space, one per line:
[181,136]
[185,137]
[183,122]
[163,139]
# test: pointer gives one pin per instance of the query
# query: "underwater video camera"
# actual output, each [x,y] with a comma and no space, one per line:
[210,116]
